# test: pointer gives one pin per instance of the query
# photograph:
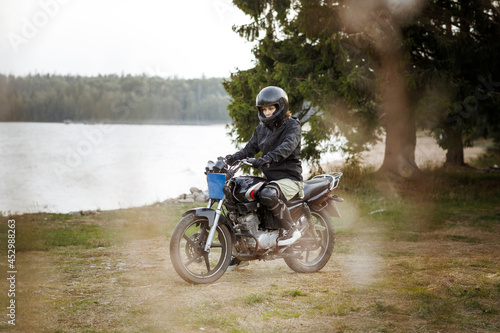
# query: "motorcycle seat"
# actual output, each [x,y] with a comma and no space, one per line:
[312,189]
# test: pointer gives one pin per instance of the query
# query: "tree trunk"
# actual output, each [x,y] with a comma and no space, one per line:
[382,29]
[455,152]
[401,137]
[399,157]
[454,136]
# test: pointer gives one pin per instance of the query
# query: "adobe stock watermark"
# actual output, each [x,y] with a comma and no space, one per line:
[470,104]
[462,111]
[31,26]
[223,7]
[94,135]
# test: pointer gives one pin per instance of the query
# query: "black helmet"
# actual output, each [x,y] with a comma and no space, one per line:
[272,96]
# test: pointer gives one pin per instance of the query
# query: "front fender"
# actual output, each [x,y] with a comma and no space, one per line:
[209,214]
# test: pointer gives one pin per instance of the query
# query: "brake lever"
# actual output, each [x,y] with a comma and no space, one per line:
[246,162]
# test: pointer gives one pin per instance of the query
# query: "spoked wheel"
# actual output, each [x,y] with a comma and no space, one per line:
[187,250]
[315,247]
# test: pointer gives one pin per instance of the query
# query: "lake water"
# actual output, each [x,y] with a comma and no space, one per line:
[52,167]
[60,168]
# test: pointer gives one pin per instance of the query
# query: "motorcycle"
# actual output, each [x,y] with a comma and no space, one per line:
[205,240]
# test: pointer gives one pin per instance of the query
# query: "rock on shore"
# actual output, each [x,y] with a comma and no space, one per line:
[195,195]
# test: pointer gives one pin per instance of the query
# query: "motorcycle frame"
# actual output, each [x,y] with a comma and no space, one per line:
[214,216]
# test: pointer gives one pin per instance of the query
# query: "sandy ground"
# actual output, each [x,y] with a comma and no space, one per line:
[427,152]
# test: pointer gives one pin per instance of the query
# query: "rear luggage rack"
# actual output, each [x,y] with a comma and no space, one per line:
[333,178]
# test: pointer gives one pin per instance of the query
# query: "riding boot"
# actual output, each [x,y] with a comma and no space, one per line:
[281,212]
[291,234]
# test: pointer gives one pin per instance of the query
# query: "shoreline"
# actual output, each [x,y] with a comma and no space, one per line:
[427,154]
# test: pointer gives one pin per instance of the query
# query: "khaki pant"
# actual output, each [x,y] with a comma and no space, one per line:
[290,187]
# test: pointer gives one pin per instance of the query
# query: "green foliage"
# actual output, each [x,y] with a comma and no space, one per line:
[301,52]
[329,69]
[111,98]
[453,46]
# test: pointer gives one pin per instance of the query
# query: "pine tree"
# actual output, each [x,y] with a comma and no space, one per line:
[355,68]
[333,71]
[454,47]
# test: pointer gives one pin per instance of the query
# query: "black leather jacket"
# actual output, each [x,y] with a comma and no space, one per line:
[281,146]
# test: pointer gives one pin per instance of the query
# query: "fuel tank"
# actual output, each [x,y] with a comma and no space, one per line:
[246,188]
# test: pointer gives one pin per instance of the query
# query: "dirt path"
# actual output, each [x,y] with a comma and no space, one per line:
[369,285]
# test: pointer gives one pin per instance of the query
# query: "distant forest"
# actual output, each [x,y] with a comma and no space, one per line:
[112,98]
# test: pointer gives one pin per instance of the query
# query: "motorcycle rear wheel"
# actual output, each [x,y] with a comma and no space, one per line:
[187,250]
[315,246]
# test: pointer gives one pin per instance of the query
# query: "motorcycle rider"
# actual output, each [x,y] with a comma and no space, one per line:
[278,137]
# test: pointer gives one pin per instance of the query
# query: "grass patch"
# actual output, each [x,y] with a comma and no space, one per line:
[282,314]
[44,232]
[403,211]
[255,298]
[437,309]
[469,292]
[343,309]
[460,238]
[50,235]
[83,305]
[293,293]
[482,263]
[380,306]
[397,254]
[337,308]
[484,309]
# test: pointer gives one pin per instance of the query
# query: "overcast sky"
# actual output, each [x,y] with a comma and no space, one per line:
[188,38]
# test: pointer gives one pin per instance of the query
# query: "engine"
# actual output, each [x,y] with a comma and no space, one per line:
[249,224]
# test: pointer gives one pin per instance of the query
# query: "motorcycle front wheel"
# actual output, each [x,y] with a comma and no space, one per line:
[187,250]
[315,247]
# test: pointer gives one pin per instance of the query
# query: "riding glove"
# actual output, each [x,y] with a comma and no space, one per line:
[259,162]
[230,159]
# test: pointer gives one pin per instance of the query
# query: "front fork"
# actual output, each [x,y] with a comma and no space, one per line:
[213,228]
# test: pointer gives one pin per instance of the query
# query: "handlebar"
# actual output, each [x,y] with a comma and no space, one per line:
[236,166]
[221,166]
[245,161]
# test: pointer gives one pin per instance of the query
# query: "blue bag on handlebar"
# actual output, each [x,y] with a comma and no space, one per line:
[216,182]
